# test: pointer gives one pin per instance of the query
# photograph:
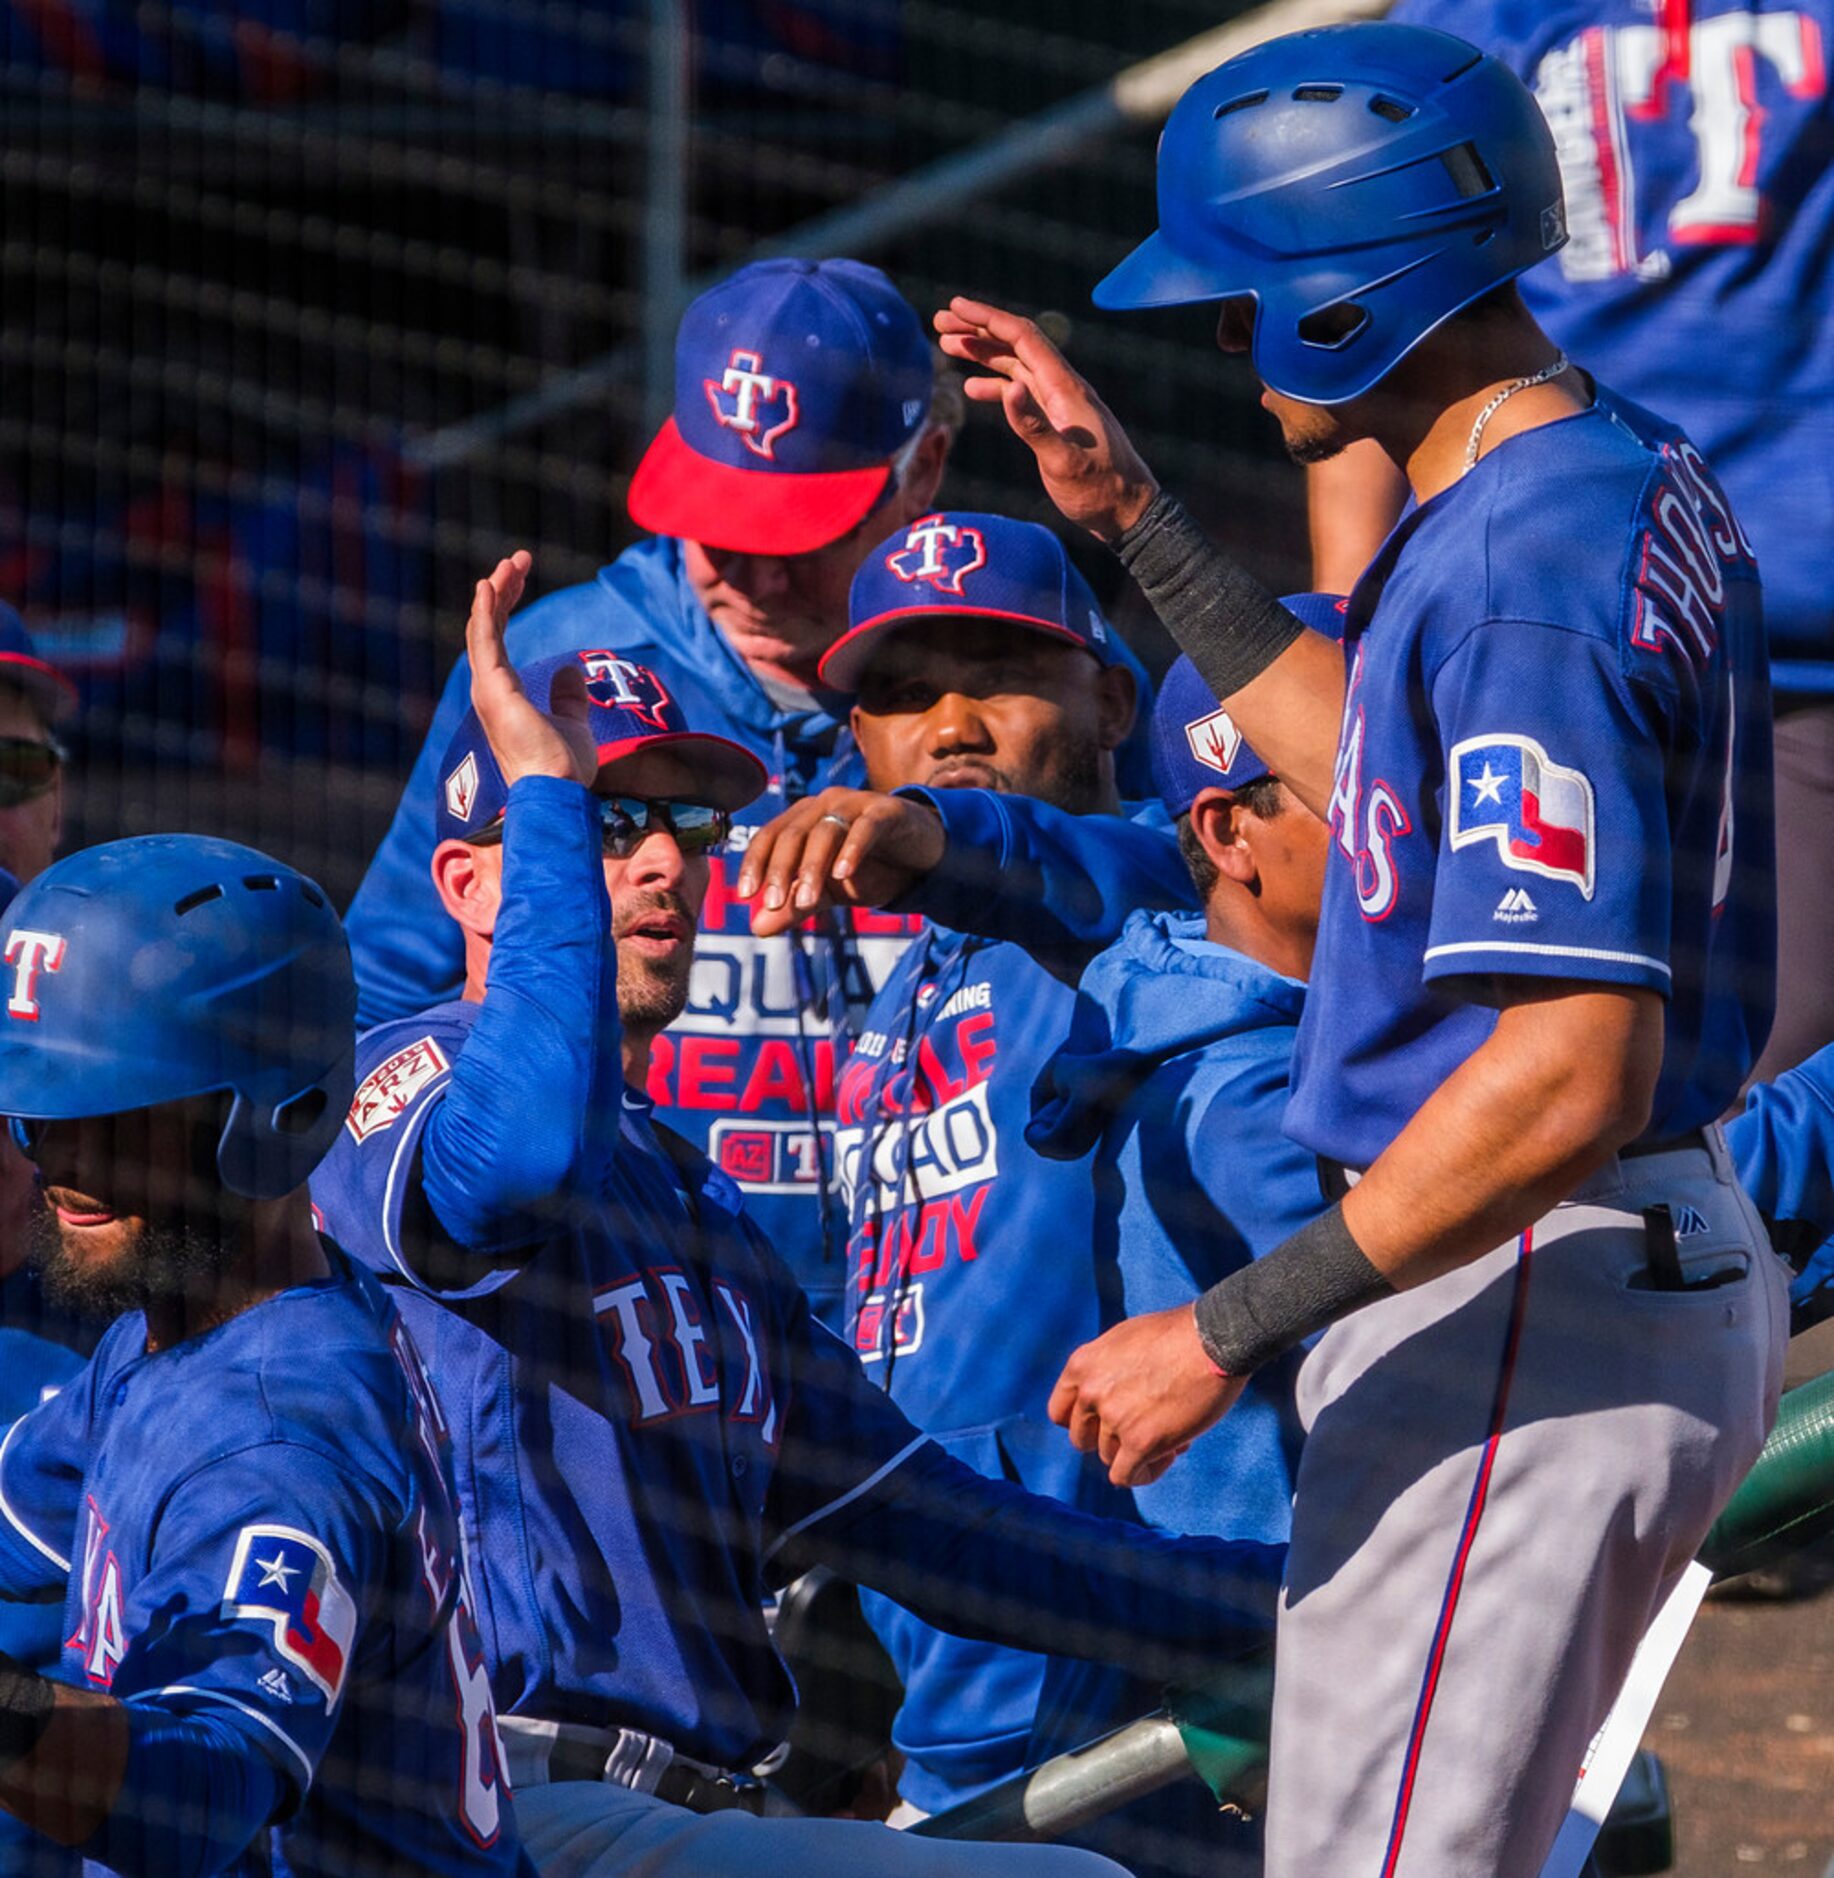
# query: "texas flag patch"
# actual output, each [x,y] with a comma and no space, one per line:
[285,1578]
[1540,814]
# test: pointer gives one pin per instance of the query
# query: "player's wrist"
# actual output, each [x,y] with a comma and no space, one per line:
[27,1702]
[1216,1369]
[1308,1281]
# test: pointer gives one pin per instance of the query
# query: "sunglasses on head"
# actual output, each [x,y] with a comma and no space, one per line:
[27,769]
[626,822]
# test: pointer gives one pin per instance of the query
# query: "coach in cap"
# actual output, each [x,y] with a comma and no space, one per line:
[808,422]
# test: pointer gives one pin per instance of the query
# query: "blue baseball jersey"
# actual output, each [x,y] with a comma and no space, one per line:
[650,1425]
[1696,145]
[1782,1143]
[1554,764]
[747,1072]
[289,1574]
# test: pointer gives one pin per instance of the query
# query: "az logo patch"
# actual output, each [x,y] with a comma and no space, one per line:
[1214,741]
[939,552]
[285,1579]
[462,789]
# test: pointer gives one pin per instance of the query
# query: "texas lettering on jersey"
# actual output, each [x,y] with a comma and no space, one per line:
[917,1152]
[669,1344]
[1366,824]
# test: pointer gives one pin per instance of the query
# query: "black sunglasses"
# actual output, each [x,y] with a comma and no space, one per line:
[626,822]
[27,769]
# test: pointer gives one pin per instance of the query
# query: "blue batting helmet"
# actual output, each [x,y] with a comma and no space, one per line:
[168,966]
[1361,184]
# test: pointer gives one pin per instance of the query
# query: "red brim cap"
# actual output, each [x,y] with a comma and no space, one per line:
[50,691]
[844,663]
[689,765]
[677,491]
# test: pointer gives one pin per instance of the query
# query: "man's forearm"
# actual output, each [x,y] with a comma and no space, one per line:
[74,1745]
[1559,1086]
[1283,684]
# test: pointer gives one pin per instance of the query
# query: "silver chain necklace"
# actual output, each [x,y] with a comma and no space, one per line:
[1496,404]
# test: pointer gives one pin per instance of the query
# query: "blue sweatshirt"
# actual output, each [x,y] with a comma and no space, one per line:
[1783,1147]
[973,1267]
[1170,1091]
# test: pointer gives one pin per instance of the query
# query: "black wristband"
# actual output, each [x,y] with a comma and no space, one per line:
[1308,1280]
[26,1702]
[1232,627]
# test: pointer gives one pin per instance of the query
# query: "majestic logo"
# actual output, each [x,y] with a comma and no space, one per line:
[1516,908]
[623,685]
[942,553]
[388,1091]
[1214,741]
[1690,1222]
[462,789]
[756,399]
[285,1578]
[1506,789]
[30,953]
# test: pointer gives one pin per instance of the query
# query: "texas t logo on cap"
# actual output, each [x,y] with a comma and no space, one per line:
[624,685]
[745,398]
[940,552]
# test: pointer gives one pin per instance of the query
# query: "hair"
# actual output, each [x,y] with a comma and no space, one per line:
[1265,798]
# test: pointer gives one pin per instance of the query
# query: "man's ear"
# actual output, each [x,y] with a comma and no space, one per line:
[923,475]
[468,884]
[1221,827]
[1118,702]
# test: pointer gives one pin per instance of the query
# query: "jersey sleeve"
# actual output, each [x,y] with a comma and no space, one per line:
[1782,1144]
[1060,885]
[262,1571]
[1555,845]
[42,1459]
[861,1489]
[473,1132]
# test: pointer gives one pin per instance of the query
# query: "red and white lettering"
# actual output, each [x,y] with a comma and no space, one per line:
[30,953]
[634,1347]
[702,1375]
[1366,829]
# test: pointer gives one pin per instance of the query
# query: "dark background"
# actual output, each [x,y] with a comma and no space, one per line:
[260,257]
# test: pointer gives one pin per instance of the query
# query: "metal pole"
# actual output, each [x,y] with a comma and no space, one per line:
[665,212]
[1138,95]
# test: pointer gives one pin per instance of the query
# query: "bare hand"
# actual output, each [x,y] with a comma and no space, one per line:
[1141,1393]
[524,740]
[1088,466]
[854,847]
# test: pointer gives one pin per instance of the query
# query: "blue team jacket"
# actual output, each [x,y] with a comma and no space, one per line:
[1783,1147]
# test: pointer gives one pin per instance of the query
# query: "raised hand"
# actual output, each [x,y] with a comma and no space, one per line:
[852,846]
[1088,466]
[525,741]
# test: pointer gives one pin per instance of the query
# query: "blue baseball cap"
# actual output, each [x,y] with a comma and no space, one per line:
[644,742]
[796,383]
[960,565]
[1196,743]
[52,695]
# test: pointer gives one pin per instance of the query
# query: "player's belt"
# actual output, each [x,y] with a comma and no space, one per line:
[544,1753]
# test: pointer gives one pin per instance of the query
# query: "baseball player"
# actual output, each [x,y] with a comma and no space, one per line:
[651,1424]
[40,1345]
[1694,140]
[243,1500]
[808,421]
[1544,959]
[985,683]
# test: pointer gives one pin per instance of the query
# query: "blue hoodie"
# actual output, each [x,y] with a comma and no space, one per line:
[1783,1147]
[747,1072]
[1174,1081]
[958,1227]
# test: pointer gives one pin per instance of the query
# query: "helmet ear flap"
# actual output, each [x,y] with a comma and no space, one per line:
[265,1153]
